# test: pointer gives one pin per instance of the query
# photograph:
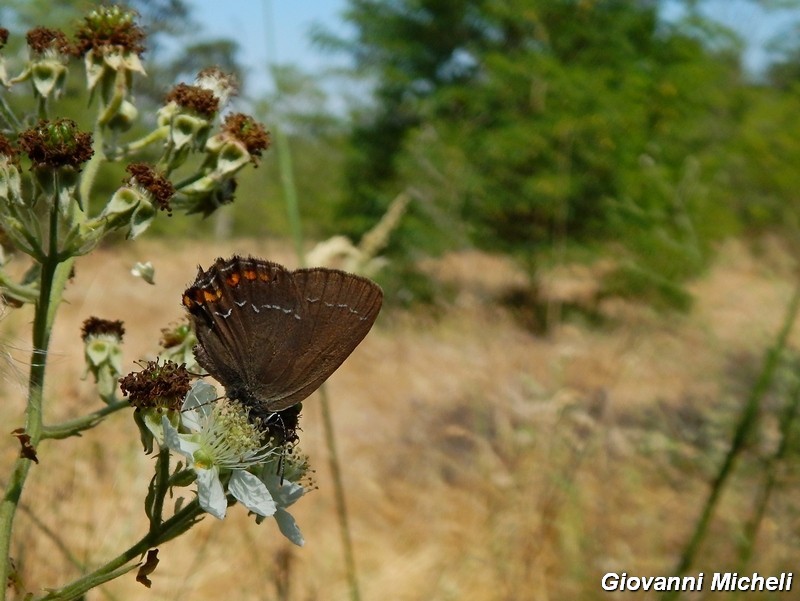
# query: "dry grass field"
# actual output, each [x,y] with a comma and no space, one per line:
[481,462]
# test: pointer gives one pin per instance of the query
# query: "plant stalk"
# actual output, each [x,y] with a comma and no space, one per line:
[117,566]
[747,422]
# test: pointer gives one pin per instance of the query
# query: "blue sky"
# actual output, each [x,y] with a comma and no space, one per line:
[251,22]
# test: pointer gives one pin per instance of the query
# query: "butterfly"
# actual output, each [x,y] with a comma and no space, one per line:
[271,336]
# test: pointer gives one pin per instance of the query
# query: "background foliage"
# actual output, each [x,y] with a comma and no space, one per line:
[535,127]
[551,131]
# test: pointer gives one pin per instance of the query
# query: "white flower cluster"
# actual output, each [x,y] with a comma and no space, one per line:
[229,456]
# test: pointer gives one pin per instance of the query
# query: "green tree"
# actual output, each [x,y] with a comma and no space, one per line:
[540,125]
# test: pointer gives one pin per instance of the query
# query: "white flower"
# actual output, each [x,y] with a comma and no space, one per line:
[220,446]
[285,493]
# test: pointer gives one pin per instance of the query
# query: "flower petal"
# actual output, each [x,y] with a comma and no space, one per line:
[289,527]
[210,492]
[285,493]
[178,442]
[198,405]
[251,492]
[154,422]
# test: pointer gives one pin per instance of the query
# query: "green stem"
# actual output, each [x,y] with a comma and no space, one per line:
[341,500]
[289,191]
[118,566]
[156,135]
[49,298]
[162,482]
[91,168]
[187,181]
[747,421]
[42,106]
[75,426]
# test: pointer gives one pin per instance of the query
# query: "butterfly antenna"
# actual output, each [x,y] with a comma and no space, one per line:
[214,400]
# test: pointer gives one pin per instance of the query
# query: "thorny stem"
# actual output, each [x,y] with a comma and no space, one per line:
[157,535]
[75,426]
[52,281]
[162,482]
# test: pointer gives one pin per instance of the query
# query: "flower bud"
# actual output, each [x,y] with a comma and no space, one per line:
[10,180]
[124,118]
[111,43]
[102,340]
[178,343]
[49,52]
[134,203]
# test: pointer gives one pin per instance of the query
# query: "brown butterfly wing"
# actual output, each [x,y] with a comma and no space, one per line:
[338,309]
[272,336]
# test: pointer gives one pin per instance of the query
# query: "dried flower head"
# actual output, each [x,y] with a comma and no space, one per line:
[43,41]
[7,151]
[94,326]
[110,28]
[249,132]
[222,85]
[56,144]
[157,386]
[158,187]
[50,51]
[110,42]
[194,99]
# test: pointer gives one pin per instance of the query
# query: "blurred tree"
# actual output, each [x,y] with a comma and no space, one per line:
[299,104]
[537,124]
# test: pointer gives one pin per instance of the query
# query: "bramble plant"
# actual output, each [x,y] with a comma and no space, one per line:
[50,211]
